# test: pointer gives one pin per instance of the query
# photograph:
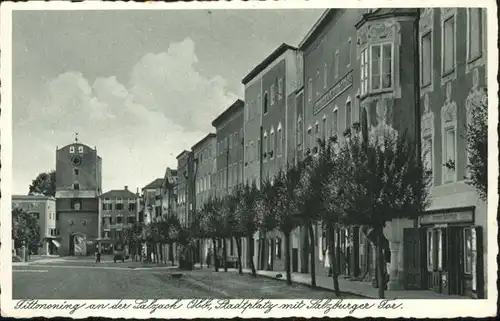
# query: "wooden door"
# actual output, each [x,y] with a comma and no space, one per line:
[455,261]
[414,259]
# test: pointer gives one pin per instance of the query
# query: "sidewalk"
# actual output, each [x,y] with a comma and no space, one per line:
[356,287]
[364,289]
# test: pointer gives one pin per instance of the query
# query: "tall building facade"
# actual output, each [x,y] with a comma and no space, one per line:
[269,117]
[453,78]
[151,203]
[205,160]
[229,157]
[169,195]
[78,186]
[119,208]
[44,209]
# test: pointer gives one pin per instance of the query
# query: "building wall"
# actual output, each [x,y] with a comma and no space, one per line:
[252,123]
[110,227]
[90,169]
[445,101]
[230,152]
[84,222]
[182,188]
[205,172]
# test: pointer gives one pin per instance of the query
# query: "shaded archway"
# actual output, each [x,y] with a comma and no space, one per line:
[77,244]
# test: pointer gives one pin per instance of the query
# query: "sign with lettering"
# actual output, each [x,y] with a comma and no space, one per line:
[335,91]
[451,217]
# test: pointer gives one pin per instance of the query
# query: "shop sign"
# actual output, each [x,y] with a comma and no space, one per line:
[450,217]
[335,91]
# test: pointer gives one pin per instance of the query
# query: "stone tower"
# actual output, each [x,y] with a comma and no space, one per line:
[78,186]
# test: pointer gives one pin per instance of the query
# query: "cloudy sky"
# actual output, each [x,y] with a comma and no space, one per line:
[141,86]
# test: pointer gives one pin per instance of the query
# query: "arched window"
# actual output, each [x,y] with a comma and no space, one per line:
[335,121]
[318,83]
[280,141]
[266,145]
[299,131]
[272,143]
[348,113]
[265,102]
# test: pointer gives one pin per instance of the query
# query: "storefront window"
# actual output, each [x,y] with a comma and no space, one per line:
[430,250]
[440,249]
[468,251]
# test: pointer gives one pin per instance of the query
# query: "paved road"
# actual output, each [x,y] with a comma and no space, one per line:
[130,280]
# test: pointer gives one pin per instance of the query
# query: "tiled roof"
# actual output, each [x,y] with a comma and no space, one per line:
[154,184]
[119,193]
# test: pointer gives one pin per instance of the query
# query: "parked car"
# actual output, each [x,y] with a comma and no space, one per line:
[119,253]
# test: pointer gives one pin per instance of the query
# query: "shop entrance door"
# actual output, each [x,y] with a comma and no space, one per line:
[414,259]
[453,284]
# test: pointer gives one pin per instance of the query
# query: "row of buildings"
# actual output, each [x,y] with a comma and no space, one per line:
[405,70]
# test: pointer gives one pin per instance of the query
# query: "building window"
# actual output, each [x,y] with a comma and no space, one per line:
[132,206]
[426,59]
[448,46]
[335,121]
[119,220]
[381,67]
[71,149]
[325,75]
[310,89]
[230,141]
[318,82]
[265,103]
[80,149]
[468,251]
[271,151]
[348,113]
[76,204]
[310,136]
[349,45]
[336,67]
[106,205]
[364,72]
[474,33]
[449,153]
[280,141]
[323,129]
[278,248]
[430,249]
[76,186]
[280,89]
[266,145]
[76,171]
[273,94]
[299,131]
[119,204]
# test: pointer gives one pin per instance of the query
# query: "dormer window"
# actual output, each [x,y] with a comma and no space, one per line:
[72,149]
[80,149]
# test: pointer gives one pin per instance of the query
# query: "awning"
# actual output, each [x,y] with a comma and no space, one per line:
[57,244]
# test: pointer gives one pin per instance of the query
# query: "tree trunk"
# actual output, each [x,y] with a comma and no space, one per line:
[380,266]
[238,248]
[161,252]
[332,258]
[216,261]
[225,254]
[173,254]
[313,256]
[201,253]
[250,256]
[288,260]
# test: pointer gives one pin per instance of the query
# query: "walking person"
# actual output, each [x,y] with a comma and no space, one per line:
[97,255]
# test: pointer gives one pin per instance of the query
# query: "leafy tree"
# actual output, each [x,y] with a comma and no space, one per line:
[212,224]
[477,147]
[279,209]
[325,182]
[25,229]
[230,221]
[248,219]
[44,183]
[387,181]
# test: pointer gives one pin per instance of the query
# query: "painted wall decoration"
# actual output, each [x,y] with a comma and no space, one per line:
[427,133]
[382,127]
[449,136]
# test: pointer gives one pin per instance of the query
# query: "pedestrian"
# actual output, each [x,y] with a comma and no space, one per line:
[97,256]
[209,258]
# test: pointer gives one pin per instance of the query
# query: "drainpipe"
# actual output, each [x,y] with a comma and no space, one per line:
[416,73]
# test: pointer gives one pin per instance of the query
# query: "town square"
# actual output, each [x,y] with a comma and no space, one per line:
[312,153]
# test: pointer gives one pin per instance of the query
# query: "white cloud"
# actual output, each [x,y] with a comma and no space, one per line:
[138,127]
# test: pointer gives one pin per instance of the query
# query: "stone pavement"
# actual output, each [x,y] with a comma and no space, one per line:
[356,287]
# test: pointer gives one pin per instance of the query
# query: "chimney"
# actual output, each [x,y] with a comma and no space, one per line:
[126,187]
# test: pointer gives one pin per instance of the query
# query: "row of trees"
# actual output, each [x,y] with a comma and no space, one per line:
[358,183]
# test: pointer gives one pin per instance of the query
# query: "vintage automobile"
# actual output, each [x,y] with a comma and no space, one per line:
[119,252]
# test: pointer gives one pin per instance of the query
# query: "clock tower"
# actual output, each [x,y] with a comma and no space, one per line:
[78,186]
